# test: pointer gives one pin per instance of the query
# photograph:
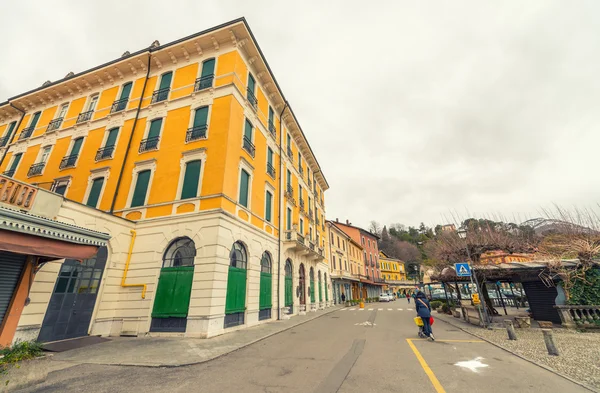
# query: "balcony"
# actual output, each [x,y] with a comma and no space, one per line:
[149,144]
[105,153]
[160,95]
[36,169]
[196,133]
[16,194]
[26,133]
[272,129]
[204,82]
[289,194]
[119,105]
[9,173]
[249,147]
[297,242]
[84,116]
[289,153]
[54,124]
[252,99]
[4,140]
[68,161]
[301,204]
[271,170]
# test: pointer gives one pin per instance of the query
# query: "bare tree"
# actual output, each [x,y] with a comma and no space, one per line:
[375,227]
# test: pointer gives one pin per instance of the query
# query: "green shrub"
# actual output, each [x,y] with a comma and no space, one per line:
[445,308]
[435,304]
[22,350]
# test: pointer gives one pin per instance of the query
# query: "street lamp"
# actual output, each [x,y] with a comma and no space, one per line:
[462,233]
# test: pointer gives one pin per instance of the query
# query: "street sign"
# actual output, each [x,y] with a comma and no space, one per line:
[462,269]
[475,297]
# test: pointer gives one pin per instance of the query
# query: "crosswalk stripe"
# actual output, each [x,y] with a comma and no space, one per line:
[361,309]
[399,309]
[343,309]
[352,309]
[389,309]
[380,309]
[409,309]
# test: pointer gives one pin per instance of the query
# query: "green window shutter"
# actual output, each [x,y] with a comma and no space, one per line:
[248,130]
[289,300]
[112,137]
[34,120]
[271,115]
[201,116]
[172,297]
[265,297]
[302,227]
[289,219]
[191,179]
[251,83]
[95,192]
[268,201]
[326,292]
[126,91]
[312,290]
[320,293]
[155,126]
[244,183]
[11,127]
[270,156]
[61,189]
[165,80]
[141,188]
[16,161]
[76,147]
[208,68]
[235,300]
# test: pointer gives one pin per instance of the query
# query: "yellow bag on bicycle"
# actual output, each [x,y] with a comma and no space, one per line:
[418,321]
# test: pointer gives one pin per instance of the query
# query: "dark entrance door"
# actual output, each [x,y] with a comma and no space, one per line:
[72,303]
[302,285]
[11,267]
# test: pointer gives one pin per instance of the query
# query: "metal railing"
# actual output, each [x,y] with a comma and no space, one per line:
[271,170]
[26,133]
[9,173]
[36,169]
[84,116]
[68,161]
[272,128]
[20,195]
[251,98]
[204,82]
[105,153]
[289,194]
[54,124]
[119,105]
[149,144]
[4,140]
[195,133]
[160,95]
[248,146]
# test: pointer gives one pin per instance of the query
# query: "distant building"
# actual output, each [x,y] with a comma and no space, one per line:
[449,228]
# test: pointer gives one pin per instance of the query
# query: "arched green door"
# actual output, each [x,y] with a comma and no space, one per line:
[235,302]
[266,282]
[289,299]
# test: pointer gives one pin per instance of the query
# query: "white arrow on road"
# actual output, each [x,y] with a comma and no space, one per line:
[472,365]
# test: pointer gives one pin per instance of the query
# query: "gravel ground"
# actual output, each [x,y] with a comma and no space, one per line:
[579,352]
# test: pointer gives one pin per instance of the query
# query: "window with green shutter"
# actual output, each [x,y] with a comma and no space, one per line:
[208,68]
[191,179]
[141,188]
[35,119]
[201,117]
[111,140]
[271,115]
[248,130]
[94,195]
[251,84]
[302,227]
[289,219]
[165,80]
[269,207]
[269,156]
[289,178]
[155,127]
[126,91]
[244,185]
[76,148]
[15,162]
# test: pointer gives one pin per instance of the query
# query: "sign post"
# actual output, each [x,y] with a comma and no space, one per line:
[464,270]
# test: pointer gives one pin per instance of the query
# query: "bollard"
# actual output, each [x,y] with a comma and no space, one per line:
[549,340]
[510,329]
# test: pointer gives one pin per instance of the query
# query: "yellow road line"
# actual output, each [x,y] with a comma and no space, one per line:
[449,341]
[434,381]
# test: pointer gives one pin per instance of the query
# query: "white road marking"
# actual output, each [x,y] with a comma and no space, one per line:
[409,309]
[390,309]
[343,309]
[352,309]
[370,309]
[399,309]
[472,365]
[366,323]
[361,309]
[380,309]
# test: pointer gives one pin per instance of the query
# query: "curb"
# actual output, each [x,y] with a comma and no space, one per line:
[583,385]
[171,365]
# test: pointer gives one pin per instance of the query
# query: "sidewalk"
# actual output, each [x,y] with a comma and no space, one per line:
[579,358]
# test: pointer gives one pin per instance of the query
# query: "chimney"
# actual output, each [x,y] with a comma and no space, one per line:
[347,222]
[337,220]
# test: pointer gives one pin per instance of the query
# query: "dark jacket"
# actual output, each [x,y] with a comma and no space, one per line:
[423,310]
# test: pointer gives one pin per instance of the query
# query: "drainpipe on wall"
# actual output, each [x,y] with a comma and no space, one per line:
[281,194]
[137,114]
[14,132]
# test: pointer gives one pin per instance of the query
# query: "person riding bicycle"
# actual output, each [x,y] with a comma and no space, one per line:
[424,311]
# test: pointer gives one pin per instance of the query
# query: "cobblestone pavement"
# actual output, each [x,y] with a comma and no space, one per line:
[579,352]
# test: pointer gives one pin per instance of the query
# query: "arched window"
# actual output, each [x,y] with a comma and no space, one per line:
[265,263]
[238,257]
[288,268]
[181,252]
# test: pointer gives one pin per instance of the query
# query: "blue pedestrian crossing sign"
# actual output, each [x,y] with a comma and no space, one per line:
[462,269]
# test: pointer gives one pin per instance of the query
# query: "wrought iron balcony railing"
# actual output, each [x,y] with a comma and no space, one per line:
[251,98]
[196,133]
[54,124]
[84,116]
[36,169]
[68,161]
[4,140]
[26,133]
[104,153]
[160,95]
[149,144]
[119,105]
[271,170]
[204,82]
[9,173]
[272,128]
[249,147]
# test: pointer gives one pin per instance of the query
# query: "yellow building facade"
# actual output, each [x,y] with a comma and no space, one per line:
[196,139]
[394,274]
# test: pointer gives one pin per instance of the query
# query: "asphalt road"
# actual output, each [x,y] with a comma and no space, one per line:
[339,352]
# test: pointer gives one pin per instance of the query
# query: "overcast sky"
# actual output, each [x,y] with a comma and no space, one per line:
[414,110]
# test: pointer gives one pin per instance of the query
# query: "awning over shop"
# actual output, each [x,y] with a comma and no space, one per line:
[20,243]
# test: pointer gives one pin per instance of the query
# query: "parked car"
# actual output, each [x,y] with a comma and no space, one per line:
[385,297]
